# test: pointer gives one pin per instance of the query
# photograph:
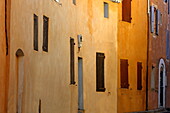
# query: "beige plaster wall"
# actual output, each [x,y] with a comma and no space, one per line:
[47,75]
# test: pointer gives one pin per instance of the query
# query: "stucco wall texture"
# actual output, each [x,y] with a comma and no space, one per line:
[157,50]
[47,74]
[132,45]
[2,57]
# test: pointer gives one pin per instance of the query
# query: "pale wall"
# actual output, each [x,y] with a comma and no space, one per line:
[47,75]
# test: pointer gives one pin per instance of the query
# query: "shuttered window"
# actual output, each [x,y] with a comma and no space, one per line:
[158,16]
[35,32]
[106,10]
[167,46]
[100,72]
[45,33]
[74,2]
[168,6]
[152,19]
[139,76]
[39,107]
[126,11]
[124,73]
[72,81]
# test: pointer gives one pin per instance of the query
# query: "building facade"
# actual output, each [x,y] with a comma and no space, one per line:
[158,55]
[132,55]
[3,74]
[63,56]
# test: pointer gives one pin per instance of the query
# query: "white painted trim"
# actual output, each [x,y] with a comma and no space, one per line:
[162,64]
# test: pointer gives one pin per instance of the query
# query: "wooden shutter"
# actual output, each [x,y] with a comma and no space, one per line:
[100,72]
[45,33]
[106,10]
[74,2]
[126,10]
[139,76]
[124,73]
[39,107]
[168,6]
[152,18]
[35,32]
[157,21]
[72,81]
[167,45]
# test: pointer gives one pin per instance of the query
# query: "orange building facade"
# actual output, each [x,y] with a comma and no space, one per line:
[3,74]
[132,55]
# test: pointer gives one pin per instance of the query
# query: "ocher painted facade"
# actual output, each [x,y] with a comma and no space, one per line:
[3,75]
[46,75]
[132,46]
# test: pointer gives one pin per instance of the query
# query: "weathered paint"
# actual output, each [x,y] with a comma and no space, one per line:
[157,51]
[47,75]
[2,58]
[132,45]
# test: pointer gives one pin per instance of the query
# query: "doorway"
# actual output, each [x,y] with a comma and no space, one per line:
[20,79]
[162,84]
[80,86]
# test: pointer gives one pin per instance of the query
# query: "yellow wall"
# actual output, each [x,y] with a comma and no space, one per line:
[132,45]
[47,75]
[2,57]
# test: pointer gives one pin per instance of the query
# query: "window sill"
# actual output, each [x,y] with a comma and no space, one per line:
[101,90]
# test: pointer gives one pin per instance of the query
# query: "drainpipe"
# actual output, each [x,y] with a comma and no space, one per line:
[147,60]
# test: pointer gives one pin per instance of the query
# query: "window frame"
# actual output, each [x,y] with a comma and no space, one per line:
[35,38]
[45,33]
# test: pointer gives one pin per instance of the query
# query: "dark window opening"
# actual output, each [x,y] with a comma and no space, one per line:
[39,107]
[74,2]
[139,76]
[168,6]
[106,10]
[45,33]
[126,11]
[158,18]
[72,81]
[100,72]
[124,73]
[167,45]
[35,32]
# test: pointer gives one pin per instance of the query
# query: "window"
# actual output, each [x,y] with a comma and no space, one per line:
[100,72]
[106,10]
[126,11]
[124,73]
[74,2]
[72,61]
[167,46]
[139,76]
[158,18]
[57,0]
[35,32]
[152,18]
[168,6]
[165,1]
[39,107]
[45,33]
[155,20]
